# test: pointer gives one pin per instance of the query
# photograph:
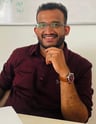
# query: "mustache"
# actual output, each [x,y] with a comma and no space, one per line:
[49,35]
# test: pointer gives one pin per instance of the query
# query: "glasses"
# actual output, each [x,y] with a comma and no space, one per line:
[43,25]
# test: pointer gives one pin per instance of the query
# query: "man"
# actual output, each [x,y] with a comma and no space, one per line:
[47,79]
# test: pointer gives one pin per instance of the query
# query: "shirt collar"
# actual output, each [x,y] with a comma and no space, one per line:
[34,49]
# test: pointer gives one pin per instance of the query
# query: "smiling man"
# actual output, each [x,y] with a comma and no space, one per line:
[47,79]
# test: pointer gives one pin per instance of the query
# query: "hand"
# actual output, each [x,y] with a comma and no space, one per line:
[56,57]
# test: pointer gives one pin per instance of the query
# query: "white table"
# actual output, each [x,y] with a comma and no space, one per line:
[28,119]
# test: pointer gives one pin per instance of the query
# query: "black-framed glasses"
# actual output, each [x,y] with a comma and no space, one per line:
[43,25]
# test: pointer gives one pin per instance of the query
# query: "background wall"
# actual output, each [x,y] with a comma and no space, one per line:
[82,39]
[17,11]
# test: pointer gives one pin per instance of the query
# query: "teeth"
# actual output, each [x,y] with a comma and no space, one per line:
[49,36]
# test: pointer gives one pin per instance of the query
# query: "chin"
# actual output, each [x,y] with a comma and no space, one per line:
[47,46]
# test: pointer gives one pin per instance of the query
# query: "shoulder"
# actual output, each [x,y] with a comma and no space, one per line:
[20,53]
[24,50]
[78,61]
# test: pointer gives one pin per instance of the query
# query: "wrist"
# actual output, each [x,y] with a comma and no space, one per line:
[68,78]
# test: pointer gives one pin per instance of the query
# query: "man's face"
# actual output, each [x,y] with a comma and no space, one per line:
[51,30]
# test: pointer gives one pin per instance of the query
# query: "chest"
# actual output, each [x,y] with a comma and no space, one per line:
[33,74]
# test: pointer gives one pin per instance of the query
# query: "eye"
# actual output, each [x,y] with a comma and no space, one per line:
[55,25]
[41,25]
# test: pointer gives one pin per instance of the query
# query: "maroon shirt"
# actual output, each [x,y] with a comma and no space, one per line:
[35,87]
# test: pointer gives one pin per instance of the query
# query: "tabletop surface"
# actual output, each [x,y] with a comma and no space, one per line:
[28,119]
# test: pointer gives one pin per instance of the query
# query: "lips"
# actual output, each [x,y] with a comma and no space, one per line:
[49,36]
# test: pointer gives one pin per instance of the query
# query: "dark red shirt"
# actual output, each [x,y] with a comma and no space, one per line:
[35,87]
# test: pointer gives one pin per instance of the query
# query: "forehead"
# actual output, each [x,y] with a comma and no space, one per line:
[50,15]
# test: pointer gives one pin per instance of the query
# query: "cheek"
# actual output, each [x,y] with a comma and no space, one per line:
[60,30]
[39,35]
[61,33]
[37,32]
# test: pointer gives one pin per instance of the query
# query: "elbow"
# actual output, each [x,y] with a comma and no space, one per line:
[81,117]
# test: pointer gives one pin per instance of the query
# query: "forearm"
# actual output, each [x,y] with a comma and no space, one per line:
[71,106]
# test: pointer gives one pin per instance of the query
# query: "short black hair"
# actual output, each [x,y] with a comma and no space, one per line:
[51,6]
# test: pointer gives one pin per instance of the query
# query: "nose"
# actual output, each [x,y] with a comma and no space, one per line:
[48,28]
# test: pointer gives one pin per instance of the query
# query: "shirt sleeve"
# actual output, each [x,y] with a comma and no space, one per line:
[84,85]
[7,73]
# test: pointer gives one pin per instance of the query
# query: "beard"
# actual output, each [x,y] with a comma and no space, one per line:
[57,45]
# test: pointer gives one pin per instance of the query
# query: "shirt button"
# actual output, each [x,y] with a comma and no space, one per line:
[41,78]
[57,81]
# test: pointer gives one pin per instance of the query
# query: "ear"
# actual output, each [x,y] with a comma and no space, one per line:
[35,30]
[67,29]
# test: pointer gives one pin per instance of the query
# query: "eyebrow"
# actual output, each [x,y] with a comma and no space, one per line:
[51,22]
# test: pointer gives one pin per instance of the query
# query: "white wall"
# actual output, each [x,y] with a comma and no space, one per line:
[81,39]
[17,11]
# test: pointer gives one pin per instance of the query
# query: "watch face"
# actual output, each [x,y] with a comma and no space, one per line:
[70,77]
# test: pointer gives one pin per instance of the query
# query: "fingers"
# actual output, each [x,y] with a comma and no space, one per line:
[51,54]
[52,49]
[48,58]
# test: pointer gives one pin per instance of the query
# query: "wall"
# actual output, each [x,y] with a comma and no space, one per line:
[17,11]
[81,39]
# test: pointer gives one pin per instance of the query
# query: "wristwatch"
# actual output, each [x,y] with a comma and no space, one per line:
[69,78]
